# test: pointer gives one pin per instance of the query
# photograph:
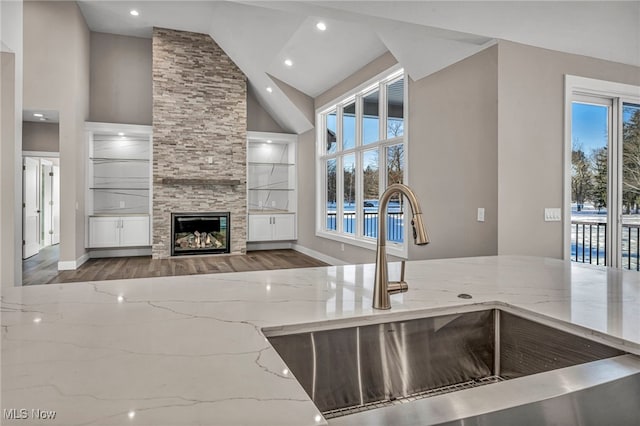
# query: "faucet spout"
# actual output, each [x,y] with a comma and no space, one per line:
[382,287]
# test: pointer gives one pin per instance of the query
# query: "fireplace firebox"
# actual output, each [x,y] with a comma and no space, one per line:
[200,233]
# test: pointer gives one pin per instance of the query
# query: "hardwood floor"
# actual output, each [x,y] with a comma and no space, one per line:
[42,268]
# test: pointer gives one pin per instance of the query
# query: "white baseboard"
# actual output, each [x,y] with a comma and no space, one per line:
[128,252]
[71,265]
[316,254]
[269,245]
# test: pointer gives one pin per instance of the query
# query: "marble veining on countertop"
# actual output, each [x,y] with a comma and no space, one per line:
[190,350]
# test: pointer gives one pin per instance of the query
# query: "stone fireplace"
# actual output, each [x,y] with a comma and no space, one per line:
[199,137]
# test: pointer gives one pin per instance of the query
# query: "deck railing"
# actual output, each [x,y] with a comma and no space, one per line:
[589,243]
[395,224]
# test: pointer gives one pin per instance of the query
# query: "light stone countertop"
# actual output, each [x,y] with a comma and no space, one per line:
[189,350]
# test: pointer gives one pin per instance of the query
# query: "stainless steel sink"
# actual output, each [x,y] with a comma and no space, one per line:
[354,369]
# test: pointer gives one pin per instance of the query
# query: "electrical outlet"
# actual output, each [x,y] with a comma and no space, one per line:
[480,214]
[210,159]
[122,204]
[552,214]
[342,246]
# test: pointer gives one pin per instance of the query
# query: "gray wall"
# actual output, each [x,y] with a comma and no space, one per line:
[56,40]
[40,136]
[531,141]
[121,82]
[453,156]
[11,82]
[8,230]
[258,119]
[485,132]
[452,160]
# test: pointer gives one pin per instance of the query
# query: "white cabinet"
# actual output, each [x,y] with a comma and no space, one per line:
[260,228]
[134,231]
[271,186]
[118,231]
[274,227]
[284,227]
[104,232]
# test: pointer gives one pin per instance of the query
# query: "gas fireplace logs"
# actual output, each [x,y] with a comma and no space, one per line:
[196,240]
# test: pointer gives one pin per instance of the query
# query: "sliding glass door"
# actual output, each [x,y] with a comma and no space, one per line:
[630,209]
[605,180]
[590,177]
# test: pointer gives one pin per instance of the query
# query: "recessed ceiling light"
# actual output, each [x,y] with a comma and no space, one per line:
[43,119]
[288,62]
[37,114]
[131,414]
[269,141]
[269,89]
[321,26]
[134,12]
[120,134]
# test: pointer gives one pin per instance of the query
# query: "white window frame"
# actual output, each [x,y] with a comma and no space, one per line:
[357,239]
[589,90]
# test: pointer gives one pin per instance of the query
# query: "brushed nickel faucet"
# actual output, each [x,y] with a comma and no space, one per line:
[382,288]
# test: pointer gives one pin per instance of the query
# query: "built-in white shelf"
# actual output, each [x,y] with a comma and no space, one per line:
[118,185]
[271,186]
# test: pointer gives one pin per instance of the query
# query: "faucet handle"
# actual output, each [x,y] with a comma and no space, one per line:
[397,287]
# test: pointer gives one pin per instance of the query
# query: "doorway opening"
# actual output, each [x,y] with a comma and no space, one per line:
[40,194]
[40,204]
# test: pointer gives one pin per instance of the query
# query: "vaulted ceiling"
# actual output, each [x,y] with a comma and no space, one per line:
[424,36]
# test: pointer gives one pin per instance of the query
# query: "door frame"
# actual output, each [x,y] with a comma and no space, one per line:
[36,155]
[574,87]
[28,248]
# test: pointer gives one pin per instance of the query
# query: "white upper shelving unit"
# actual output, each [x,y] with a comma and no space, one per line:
[271,186]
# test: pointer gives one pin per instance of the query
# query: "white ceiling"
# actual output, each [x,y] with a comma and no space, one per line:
[424,36]
[48,115]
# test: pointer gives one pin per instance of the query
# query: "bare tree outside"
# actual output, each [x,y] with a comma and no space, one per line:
[631,160]
[581,177]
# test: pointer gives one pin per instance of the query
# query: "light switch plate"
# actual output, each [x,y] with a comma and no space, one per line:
[480,214]
[552,214]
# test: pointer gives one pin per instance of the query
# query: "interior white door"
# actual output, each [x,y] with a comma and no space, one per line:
[46,168]
[30,208]
[55,211]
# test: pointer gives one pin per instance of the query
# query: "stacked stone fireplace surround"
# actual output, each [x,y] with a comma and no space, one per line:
[199,135]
